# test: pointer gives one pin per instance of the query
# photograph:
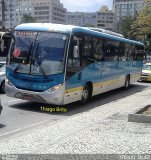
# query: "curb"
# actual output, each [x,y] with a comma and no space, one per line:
[138,117]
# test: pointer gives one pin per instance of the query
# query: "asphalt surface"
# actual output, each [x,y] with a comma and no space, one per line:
[100,126]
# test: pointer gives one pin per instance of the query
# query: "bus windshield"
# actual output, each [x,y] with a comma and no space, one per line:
[37,53]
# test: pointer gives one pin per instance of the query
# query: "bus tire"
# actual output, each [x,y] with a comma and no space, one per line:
[86,94]
[127,82]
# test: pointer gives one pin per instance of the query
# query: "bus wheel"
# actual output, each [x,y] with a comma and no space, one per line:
[86,93]
[127,82]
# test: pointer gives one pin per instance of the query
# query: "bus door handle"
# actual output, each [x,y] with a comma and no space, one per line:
[79,76]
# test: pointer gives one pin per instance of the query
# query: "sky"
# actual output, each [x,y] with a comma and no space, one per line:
[85,5]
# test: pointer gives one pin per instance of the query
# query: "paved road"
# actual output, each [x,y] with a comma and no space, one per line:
[18,115]
[100,127]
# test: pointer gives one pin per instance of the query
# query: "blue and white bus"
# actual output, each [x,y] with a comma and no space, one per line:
[59,64]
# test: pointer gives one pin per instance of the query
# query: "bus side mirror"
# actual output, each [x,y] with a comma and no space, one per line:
[76,52]
[2,45]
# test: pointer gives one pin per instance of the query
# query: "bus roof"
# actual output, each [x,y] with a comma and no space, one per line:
[69,29]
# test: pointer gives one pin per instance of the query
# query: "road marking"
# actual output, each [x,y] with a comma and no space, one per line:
[25,128]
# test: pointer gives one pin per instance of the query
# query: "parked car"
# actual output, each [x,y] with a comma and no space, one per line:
[2,76]
[146,72]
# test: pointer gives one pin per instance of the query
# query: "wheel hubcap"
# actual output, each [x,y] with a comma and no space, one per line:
[127,83]
[85,94]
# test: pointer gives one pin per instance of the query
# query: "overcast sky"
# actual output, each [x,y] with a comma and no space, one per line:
[85,5]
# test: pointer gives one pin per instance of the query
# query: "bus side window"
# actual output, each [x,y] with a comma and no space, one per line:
[121,52]
[74,53]
[91,49]
[87,47]
[133,53]
[74,56]
[97,49]
[139,53]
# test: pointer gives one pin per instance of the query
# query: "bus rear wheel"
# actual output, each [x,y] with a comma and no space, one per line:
[127,82]
[86,93]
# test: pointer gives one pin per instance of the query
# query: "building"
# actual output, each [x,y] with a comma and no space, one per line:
[105,20]
[49,11]
[75,18]
[15,9]
[100,19]
[0,16]
[81,19]
[124,8]
[42,10]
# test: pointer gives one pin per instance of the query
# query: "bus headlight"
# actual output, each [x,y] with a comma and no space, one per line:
[8,82]
[55,88]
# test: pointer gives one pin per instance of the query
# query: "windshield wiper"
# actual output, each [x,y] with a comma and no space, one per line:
[16,69]
[43,72]
[36,63]
[29,53]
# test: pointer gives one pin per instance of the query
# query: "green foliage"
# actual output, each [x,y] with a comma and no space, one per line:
[141,28]
[125,26]
[27,19]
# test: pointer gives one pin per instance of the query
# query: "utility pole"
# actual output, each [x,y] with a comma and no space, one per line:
[3,15]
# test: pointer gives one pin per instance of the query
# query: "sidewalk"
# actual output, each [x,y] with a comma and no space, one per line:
[102,130]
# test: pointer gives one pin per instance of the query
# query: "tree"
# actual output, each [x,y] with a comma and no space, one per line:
[141,28]
[27,19]
[104,8]
[125,26]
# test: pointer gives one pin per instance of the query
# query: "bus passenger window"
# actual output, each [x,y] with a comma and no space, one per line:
[133,55]
[74,53]
[121,52]
[139,53]
[98,53]
[87,47]
[74,57]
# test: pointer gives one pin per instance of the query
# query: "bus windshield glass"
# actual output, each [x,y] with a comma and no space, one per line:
[37,53]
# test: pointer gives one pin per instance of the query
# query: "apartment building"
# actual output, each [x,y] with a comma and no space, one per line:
[105,20]
[124,8]
[49,11]
[0,16]
[15,10]
[75,18]
[100,19]
[42,10]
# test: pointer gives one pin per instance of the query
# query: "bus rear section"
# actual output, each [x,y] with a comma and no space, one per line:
[98,63]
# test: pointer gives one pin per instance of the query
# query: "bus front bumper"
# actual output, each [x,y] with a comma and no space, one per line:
[55,97]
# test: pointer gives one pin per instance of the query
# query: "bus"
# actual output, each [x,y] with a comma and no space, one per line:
[60,64]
